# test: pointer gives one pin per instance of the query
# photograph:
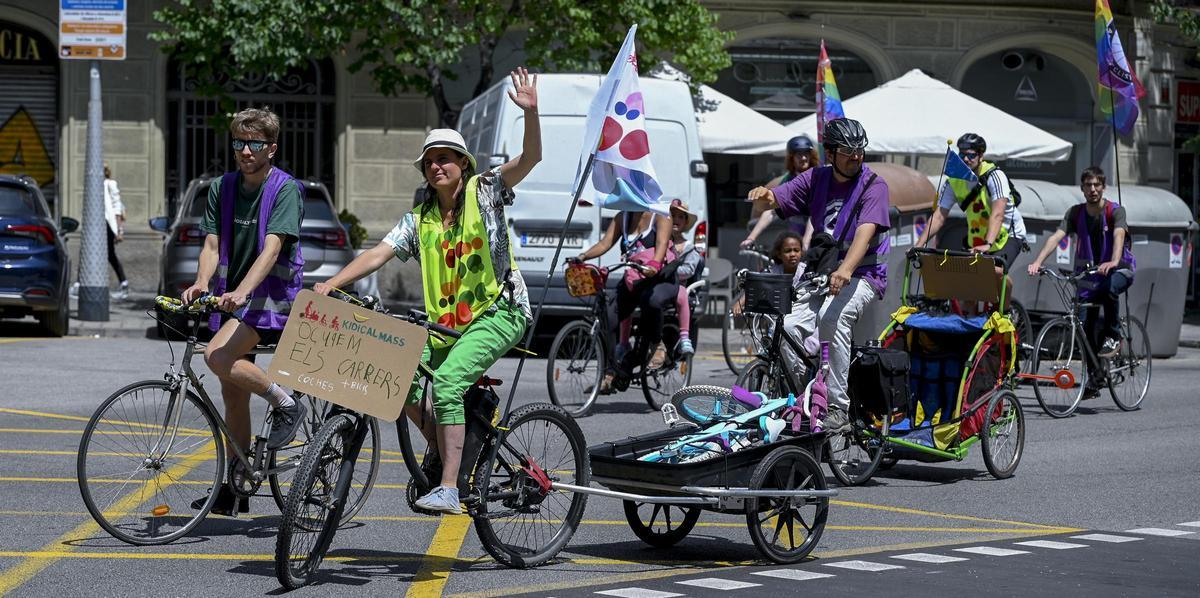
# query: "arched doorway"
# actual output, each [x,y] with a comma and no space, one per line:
[304,100]
[29,107]
[1047,92]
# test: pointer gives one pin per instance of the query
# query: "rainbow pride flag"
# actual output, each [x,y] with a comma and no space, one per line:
[829,101]
[1120,89]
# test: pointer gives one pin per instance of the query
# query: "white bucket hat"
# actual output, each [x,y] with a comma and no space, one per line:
[448,138]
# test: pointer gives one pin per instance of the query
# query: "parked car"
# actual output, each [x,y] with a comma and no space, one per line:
[323,240]
[33,256]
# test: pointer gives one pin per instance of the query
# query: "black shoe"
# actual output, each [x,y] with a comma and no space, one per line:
[224,505]
[285,421]
[1090,392]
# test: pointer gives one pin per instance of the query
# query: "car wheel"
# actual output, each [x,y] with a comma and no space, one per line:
[57,322]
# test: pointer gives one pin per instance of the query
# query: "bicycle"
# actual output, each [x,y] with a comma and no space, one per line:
[744,334]
[855,453]
[509,467]
[579,354]
[1064,359]
[153,441]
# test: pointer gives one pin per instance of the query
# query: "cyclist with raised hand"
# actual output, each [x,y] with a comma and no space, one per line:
[459,235]
[1100,227]
[848,204]
[994,224]
[801,156]
[252,246]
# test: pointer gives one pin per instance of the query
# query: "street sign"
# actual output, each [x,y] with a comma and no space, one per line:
[91,29]
[1187,102]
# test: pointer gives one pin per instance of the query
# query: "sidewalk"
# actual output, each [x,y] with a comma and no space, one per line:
[126,319]
[1189,332]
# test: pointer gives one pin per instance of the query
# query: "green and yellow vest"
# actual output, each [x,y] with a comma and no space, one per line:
[457,274]
[977,205]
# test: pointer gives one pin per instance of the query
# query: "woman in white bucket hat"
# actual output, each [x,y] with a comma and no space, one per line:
[459,235]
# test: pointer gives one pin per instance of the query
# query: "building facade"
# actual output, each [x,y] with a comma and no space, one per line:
[1035,60]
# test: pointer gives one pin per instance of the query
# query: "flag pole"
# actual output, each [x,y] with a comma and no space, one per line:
[1112,117]
[937,193]
[537,312]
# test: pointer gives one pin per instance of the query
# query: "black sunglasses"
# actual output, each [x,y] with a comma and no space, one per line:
[256,145]
[970,155]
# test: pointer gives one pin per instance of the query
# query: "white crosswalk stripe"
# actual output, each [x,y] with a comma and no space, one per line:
[863,565]
[1051,544]
[1106,538]
[1191,524]
[1158,531]
[793,574]
[925,557]
[991,551]
[638,593]
[716,583]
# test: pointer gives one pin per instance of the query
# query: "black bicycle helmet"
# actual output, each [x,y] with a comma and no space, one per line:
[845,132]
[799,144]
[972,141]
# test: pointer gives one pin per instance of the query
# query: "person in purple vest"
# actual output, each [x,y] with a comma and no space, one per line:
[848,206]
[1100,228]
[251,260]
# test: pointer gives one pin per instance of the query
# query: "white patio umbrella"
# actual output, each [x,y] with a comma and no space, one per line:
[727,126]
[916,114]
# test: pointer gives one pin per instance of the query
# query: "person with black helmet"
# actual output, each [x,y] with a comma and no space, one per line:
[848,206]
[994,225]
[801,156]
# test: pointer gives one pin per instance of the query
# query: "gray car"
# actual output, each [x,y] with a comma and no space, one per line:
[323,240]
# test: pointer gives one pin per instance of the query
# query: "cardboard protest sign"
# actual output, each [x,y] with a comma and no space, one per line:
[348,355]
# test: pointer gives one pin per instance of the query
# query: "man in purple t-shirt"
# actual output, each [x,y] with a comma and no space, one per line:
[850,203]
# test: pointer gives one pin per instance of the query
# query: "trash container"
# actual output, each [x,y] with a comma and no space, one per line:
[1160,224]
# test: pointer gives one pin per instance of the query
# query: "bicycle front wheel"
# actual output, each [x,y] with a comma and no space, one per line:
[1130,369]
[311,516]
[145,455]
[286,461]
[1059,368]
[575,368]
[704,405]
[739,339]
[762,376]
[855,454]
[1024,331]
[521,521]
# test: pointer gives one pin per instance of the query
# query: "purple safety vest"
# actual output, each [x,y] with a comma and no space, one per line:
[271,301]
[1083,248]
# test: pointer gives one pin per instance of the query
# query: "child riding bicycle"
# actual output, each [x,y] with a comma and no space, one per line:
[1099,227]
[459,234]
[252,245]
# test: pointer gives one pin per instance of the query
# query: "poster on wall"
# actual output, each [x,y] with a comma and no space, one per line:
[1175,259]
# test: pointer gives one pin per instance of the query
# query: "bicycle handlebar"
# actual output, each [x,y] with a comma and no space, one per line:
[1071,278]
[202,305]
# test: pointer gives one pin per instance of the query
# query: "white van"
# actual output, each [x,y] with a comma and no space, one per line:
[494,129]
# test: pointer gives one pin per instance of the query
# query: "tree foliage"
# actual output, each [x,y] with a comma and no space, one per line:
[418,45]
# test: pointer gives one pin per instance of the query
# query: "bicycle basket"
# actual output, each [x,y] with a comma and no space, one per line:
[585,280]
[768,293]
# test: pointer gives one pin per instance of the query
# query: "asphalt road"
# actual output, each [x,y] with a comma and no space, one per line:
[1120,475]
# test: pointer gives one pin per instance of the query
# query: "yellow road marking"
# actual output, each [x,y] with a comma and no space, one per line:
[78,432]
[434,570]
[78,418]
[908,511]
[111,454]
[5,341]
[16,576]
[184,482]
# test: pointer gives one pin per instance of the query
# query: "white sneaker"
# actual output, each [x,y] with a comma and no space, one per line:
[442,499]
[1110,348]
[122,292]
[74,290]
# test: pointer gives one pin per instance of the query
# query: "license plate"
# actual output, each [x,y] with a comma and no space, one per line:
[550,239]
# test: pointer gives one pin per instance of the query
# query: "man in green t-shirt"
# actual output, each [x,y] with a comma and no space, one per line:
[254,293]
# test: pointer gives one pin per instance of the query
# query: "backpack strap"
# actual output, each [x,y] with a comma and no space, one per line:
[857,208]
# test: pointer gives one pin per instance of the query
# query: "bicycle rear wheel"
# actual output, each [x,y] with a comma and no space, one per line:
[575,368]
[1059,368]
[1130,369]
[313,508]
[520,520]
[138,473]
[854,455]
[763,376]
[366,467]
[661,383]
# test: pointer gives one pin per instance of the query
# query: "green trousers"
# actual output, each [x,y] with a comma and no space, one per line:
[457,367]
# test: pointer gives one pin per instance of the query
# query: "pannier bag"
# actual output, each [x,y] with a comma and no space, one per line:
[879,380]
